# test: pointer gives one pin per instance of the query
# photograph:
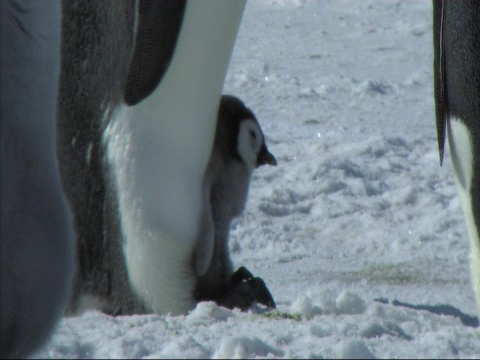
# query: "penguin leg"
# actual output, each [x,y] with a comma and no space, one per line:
[245,291]
[465,163]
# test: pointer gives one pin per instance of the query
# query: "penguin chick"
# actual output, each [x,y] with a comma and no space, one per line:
[239,148]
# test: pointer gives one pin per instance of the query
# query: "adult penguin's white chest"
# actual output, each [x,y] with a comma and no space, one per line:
[158,151]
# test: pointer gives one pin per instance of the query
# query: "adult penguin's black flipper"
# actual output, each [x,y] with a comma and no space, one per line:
[439,75]
[158,26]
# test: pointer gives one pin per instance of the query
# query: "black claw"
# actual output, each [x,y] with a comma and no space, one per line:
[245,291]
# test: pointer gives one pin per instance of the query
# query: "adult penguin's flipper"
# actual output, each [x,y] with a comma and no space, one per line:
[441,101]
[158,26]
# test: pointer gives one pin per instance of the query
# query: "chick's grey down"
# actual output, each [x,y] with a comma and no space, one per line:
[239,148]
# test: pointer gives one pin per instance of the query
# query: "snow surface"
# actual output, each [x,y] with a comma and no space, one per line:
[357,209]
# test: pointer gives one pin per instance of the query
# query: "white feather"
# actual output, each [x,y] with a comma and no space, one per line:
[159,150]
[460,143]
[250,140]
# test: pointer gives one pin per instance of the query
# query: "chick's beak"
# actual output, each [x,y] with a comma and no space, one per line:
[265,157]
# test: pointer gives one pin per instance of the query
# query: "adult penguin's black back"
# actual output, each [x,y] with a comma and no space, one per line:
[94,36]
[457,100]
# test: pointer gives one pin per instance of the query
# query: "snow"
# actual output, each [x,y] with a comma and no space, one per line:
[357,213]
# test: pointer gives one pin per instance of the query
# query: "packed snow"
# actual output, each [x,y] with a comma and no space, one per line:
[358,213]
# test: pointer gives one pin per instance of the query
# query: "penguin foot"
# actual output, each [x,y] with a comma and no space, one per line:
[245,291]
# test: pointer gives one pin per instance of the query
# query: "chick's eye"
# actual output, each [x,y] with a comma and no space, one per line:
[252,134]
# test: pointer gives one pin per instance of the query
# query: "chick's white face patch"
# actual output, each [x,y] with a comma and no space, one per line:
[250,139]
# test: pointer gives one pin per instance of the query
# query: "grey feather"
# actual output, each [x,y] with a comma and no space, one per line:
[226,184]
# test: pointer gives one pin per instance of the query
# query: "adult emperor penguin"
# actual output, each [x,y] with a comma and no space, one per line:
[239,148]
[36,234]
[457,99]
[139,92]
